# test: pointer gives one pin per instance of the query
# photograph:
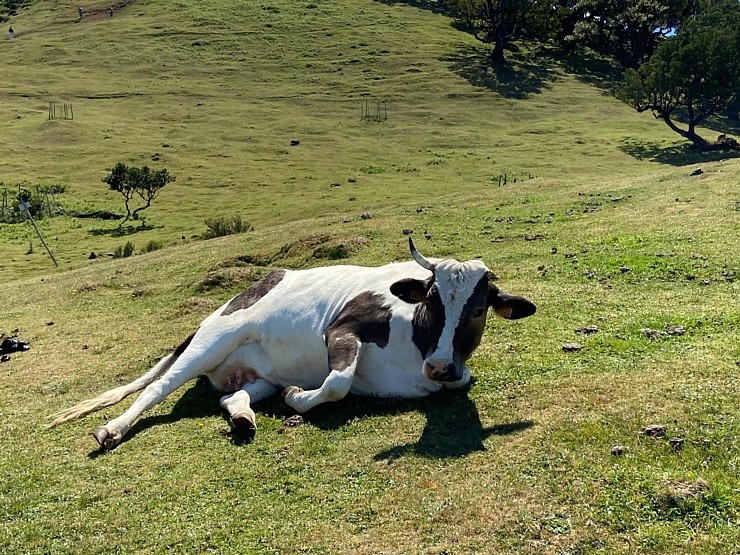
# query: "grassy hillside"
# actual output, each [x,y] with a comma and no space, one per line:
[215,92]
[611,231]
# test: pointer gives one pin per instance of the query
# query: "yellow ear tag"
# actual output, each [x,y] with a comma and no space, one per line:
[504,311]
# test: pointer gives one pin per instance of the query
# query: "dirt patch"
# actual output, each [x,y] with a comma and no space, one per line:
[89,13]
[677,497]
[228,277]
[322,247]
[100,11]
[341,249]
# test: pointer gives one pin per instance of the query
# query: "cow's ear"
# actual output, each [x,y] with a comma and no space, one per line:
[410,290]
[508,306]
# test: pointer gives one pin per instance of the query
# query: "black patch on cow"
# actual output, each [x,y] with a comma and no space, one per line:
[511,307]
[469,329]
[365,318]
[410,290]
[428,322]
[342,351]
[247,298]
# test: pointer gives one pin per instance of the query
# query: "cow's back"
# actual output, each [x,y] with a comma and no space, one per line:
[290,320]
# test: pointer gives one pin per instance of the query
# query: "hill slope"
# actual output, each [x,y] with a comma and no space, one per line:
[216,92]
[611,231]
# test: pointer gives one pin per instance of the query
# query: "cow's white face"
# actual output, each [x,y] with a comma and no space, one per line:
[461,291]
[451,311]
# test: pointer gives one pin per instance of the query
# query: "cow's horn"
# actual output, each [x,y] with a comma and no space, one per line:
[423,262]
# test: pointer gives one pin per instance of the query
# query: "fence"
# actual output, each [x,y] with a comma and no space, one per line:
[379,113]
[43,204]
[60,110]
[503,178]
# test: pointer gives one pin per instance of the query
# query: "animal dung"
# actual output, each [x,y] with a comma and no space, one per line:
[293,421]
[676,443]
[650,333]
[675,330]
[654,430]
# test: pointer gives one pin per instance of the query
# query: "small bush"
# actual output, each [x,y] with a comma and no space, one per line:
[124,251]
[219,227]
[55,189]
[372,169]
[152,246]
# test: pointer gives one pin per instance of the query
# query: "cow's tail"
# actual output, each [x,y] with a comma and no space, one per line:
[113,396]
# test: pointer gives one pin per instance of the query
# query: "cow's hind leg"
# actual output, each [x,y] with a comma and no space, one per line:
[199,357]
[344,354]
[238,405]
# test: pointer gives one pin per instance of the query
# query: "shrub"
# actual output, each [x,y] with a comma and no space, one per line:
[124,251]
[221,226]
[54,189]
[152,246]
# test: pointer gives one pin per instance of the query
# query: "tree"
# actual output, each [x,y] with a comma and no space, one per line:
[131,182]
[11,7]
[628,30]
[498,22]
[694,74]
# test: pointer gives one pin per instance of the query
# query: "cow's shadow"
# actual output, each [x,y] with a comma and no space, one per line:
[453,427]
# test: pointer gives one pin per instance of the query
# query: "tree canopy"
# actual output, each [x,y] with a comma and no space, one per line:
[693,75]
[11,7]
[132,182]
[498,22]
[628,30]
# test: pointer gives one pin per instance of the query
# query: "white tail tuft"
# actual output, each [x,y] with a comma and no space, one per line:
[112,396]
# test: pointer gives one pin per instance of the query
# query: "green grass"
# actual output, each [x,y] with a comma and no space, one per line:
[611,230]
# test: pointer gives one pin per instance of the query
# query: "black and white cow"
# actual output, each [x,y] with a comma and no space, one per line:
[399,330]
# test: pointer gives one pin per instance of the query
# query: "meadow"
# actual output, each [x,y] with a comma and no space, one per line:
[600,223]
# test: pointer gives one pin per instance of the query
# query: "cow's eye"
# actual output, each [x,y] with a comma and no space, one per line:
[479,313]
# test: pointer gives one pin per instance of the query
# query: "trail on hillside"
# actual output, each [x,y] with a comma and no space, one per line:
[89,13]
[100,11]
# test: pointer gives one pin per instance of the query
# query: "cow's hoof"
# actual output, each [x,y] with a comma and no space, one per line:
[291,391]
[106,439]
[244,427]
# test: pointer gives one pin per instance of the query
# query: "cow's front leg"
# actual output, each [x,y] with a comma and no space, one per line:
[344,354]
[238,405]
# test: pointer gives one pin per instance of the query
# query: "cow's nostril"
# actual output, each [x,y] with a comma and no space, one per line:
[440,370]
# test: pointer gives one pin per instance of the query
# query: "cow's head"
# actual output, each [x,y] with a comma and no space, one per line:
[452,305]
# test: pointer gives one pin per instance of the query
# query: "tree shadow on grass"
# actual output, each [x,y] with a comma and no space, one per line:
[525,75]
[676,154]
[722,125]
[123,231]
[430,5]
[453,428]
[590,68]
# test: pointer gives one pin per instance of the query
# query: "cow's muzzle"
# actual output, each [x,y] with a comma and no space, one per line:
[442,370]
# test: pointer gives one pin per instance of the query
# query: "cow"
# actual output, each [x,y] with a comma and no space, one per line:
[402,330]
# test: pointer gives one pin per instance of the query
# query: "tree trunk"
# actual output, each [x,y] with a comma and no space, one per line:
[497,54]
[689,134]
